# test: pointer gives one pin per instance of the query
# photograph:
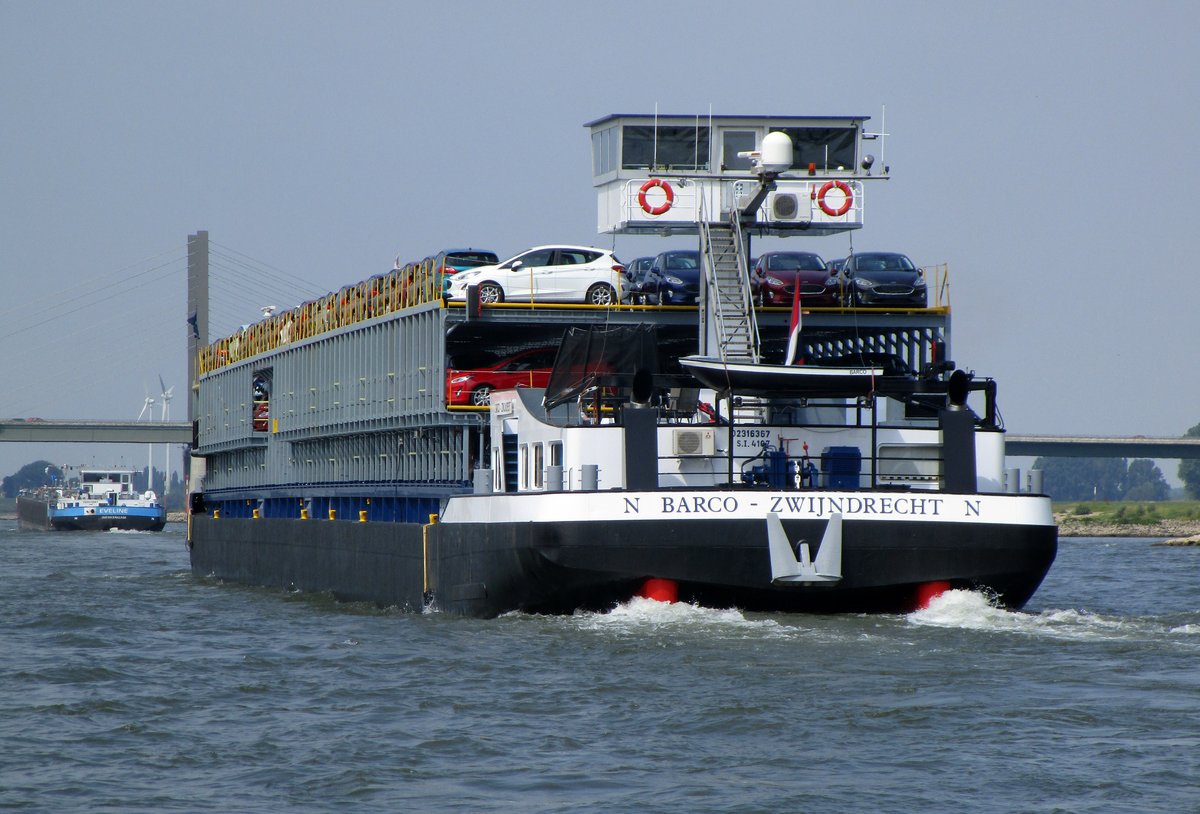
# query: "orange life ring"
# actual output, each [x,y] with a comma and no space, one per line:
[662,208]
[846,204]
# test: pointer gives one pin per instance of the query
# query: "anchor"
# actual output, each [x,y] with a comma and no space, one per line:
[786,568]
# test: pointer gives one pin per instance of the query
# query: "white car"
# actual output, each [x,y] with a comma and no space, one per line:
[547,274]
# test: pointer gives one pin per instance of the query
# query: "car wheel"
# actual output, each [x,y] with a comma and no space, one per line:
[481,396]
[600,294]
[490,294]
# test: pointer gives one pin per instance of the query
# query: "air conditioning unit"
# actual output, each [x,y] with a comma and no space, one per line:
[688,442]
[787,206]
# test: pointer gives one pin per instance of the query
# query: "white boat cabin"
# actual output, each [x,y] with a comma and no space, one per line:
[100,483]
[665,174]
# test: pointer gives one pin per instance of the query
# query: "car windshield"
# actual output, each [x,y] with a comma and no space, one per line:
[471,259]
[682,261]
[795,262]
[884,262]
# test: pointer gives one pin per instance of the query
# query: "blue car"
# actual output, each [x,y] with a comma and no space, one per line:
[451,261]
[673,278]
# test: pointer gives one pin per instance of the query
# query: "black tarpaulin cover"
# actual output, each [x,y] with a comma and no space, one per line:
[601,357]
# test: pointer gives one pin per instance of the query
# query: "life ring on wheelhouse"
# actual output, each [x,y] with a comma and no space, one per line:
[846,204]
[663,207]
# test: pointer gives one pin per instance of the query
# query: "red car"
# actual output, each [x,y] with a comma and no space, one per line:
[529,368]
[776,275]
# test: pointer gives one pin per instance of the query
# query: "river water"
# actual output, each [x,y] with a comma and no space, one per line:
[128,685]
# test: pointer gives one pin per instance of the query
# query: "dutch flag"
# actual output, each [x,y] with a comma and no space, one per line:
[793,356]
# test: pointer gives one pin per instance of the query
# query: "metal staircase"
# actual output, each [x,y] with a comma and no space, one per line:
[731,325]
[727,277]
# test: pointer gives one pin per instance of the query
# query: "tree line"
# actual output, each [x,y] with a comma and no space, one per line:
[44,473]
[1072,479]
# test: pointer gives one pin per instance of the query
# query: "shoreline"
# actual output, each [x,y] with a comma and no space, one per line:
[1173,532]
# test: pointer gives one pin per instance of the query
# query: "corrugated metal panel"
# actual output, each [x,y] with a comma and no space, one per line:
[365,403]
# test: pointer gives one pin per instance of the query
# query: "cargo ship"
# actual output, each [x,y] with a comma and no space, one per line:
[93,500]
[729,455]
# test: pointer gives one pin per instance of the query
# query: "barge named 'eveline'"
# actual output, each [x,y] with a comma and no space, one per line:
[718,453]
[93,499]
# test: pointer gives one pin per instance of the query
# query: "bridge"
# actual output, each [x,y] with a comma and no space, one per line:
[107,432]
[180,432]
[1077,446]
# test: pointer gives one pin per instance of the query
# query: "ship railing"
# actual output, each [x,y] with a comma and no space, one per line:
[402,288]
[937,280]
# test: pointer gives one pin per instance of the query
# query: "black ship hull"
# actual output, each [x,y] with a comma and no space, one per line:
[486,569]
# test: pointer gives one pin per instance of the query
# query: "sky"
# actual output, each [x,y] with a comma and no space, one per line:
[1038,148]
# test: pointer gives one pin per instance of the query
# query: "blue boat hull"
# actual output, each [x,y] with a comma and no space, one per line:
[37,514]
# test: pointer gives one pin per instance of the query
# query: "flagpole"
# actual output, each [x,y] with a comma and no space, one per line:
[793,347]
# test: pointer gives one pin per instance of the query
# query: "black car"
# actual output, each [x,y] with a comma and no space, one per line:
[673,278]
[882,280]
[636,273]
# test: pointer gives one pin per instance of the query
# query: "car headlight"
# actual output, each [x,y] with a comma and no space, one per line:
[920,283]
[460,379]
[831,281]
[673,280]
[774,281]
[861,283]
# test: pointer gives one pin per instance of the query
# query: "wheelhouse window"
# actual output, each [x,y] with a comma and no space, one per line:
[664,148]
[604,151]
[826,147]
[738,141]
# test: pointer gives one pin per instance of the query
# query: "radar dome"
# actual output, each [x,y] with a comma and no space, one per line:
[776,152]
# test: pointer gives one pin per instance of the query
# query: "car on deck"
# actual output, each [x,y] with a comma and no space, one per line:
[636,272]
[451,261]
[547,274]
[673,278]
[882,280]
[474,385]
[776,276]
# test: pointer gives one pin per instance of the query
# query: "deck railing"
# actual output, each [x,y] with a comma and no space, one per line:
[414,284]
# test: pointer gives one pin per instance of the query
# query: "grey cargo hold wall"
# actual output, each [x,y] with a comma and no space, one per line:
[363,403]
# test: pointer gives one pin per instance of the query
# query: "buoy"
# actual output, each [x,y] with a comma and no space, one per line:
[663,207]
[929,591]
[660,590]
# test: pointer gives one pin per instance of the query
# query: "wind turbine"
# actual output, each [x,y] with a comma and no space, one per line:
[164,395]
[148,411]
